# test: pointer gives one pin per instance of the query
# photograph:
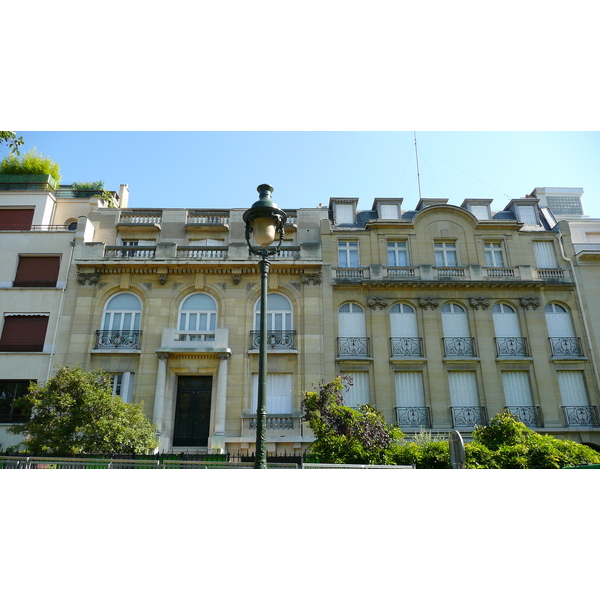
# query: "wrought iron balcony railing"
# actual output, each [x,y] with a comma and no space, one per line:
[277,339]
[581,416]
[413,417]
[511,346]
[353,347]
[459,346]
[565,347]
[528,415]
[406,346]
[468,416]
[118,339]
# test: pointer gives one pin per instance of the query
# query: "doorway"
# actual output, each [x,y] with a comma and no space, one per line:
[192,411]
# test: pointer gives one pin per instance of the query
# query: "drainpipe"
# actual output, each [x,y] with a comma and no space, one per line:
[581,308]
[60,309]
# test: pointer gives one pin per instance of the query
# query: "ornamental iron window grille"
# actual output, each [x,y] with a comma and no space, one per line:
[581,416]
[118,339]
[459,346]
[277,339]
[565,346]
[406,346]
[528,415]
[468,416]
[413,417]
[353,346]
[511,346]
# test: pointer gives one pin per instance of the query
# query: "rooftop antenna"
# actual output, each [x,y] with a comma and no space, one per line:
[417,157]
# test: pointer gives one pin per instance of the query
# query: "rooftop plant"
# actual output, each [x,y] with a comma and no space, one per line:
[30,163]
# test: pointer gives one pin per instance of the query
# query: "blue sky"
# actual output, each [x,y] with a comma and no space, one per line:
[222,168]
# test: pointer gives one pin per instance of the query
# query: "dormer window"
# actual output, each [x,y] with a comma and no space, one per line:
[527,215]
[343,210]
[388,208]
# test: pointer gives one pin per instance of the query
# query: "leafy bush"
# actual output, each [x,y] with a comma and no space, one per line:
[509,444]
[76,413]
[30,163]
[81,189]
[346,435]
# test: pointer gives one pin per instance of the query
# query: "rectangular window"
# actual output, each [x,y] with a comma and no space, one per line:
[37,271]
[388,211]
[397,254]
[527,215]
[409,389]
[445,254]
[344,213]
[16,219]
[10,390]
[358,392]
[494,254]
[572,388]
[122,385]
[517,391]
[279,394]
[348,254]
[480,211]
[23,333]
[463,388]
[545,257]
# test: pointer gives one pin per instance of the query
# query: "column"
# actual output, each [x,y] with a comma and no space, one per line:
[218,438]
[159,395]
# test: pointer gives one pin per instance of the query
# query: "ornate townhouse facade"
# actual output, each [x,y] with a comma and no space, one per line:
[442,315]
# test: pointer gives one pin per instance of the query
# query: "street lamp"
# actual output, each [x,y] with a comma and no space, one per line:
[264,220]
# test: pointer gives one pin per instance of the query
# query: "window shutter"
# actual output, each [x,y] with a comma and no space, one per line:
[572,388]
[37,271]
[517,391]
[23,333]
[16,219]
[388,211]
[409,389]
[359,390]
[544,255]
[463,388]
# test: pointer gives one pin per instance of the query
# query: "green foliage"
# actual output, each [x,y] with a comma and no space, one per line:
[83,189]
[31,163]
[10,138]
[508,444]
[76,413]
[346,435]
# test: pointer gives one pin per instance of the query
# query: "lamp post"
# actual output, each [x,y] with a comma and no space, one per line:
[264,220]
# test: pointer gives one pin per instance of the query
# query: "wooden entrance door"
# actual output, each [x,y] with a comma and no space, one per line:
[192,411]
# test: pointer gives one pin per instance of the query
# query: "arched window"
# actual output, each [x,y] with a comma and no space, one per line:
[123,312]
[405,338]
[508,333]
[197,314]
[352,331]
[279,313]
[561,331]
[457,337]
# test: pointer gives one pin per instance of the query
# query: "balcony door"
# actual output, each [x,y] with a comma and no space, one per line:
[455,321]
[122,313]
[559,321]
[279,313]
[192,411]
[403,321]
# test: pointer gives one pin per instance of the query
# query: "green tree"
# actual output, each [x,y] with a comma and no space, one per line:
[346,435]
[10,138]
[31,163]
[506,443]
[76,413]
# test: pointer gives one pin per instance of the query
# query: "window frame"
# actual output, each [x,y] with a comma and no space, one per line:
[347,253]
[445,251]
[396,252]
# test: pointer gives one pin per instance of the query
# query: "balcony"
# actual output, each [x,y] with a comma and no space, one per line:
[277,339]
[140,221]
[528,415]
[278,425]
[581,416]
[351,273]
[459,347]
[208,218]
[565,347]
[202,252]
[413,417]
[114,339]
[125,252]
[450,272]
[468,417]
[353,347]
[209,343]
[508,347]
[406,346]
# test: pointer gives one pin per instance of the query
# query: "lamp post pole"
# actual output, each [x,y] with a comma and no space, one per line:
[264,219]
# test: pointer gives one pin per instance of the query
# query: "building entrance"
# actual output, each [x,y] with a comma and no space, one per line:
[192,411]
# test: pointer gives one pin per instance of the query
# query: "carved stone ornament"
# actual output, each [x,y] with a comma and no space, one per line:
[429,302]
[479,302]
[237,277]
[377,302]
[530,301]
[162,278]
[312,278]
[91,278]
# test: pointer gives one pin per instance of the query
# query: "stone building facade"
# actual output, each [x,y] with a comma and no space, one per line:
[442,315]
